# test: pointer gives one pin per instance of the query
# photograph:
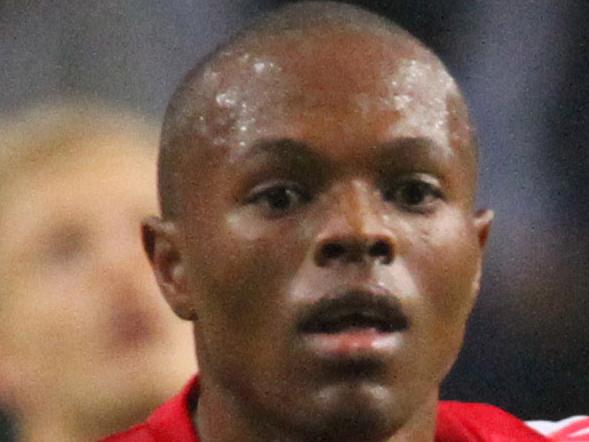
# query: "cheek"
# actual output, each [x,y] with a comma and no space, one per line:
[442,262]
[448,250]
[245,270]
[44,328]
[64,306]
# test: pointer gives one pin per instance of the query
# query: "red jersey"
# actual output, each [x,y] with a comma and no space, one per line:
[456,422]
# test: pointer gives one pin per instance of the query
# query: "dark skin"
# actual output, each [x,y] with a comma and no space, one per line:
[327,249]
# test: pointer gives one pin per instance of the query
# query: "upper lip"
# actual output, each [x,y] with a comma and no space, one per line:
[370,307]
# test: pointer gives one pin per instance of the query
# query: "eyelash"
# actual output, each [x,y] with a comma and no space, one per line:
[428,194]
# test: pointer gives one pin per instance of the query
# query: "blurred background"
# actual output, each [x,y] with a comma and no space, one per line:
[524,67]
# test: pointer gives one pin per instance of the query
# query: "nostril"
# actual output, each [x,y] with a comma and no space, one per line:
[381,249]
[333,251]
[353,250]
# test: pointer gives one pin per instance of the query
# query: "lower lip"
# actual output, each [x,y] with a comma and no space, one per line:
[354,343]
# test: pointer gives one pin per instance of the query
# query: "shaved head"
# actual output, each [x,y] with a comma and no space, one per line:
[214,106]
[319,165]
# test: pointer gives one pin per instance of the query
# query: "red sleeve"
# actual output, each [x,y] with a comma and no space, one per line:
[171,422]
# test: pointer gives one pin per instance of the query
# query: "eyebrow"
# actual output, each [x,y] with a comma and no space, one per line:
[284,150]
[411,150]
[399,153]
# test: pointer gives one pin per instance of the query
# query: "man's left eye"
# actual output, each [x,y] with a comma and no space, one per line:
[414,194]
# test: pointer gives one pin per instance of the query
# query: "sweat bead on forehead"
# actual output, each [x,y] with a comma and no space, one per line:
[325,62]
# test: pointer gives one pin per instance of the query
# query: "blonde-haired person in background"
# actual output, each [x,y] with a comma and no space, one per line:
[87,345]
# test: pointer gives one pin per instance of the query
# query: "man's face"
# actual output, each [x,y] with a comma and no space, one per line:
[331,251]
[83,328]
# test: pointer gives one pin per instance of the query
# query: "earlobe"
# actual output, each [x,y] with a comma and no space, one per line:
[482,222]
[161,243]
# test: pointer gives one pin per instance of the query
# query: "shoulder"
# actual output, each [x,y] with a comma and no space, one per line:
[458,421]
[171,422]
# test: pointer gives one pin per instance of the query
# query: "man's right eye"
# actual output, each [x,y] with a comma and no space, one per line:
[278,199]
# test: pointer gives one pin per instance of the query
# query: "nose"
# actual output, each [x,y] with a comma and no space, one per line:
[120,266]
[354,232]
[354,250]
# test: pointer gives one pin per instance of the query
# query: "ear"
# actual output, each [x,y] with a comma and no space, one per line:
[482,222]
[161,241]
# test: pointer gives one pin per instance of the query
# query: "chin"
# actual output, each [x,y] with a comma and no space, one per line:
[358,424]
[365,412]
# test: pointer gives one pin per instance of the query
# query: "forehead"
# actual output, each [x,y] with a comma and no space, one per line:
[96,191]
[341,91]
[339,84]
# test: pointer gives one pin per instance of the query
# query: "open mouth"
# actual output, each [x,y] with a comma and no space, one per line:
[359,326]
[355,311]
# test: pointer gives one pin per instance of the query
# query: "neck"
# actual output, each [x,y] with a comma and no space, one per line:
[219,419]
[421,426]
